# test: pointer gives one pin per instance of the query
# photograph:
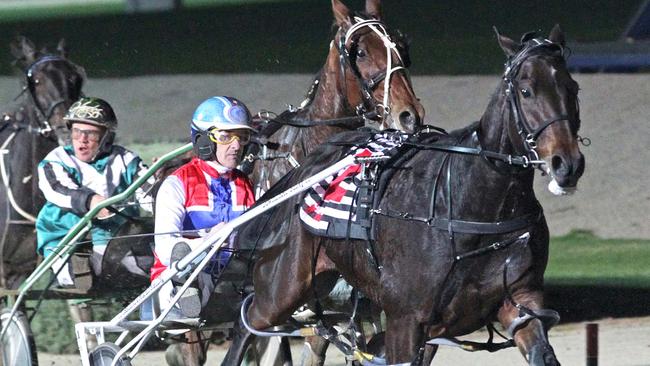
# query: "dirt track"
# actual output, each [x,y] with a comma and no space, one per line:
[623,342]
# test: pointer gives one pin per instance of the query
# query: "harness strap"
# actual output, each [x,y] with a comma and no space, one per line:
[5,180]
[471,346]
[466,227]
[520,160]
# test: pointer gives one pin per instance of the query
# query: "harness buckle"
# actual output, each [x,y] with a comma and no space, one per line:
[249,158]
[530,140]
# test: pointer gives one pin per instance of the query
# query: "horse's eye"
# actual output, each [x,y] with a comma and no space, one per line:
[525,92]
[361,53]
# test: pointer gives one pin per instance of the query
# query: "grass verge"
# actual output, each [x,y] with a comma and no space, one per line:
[582,259]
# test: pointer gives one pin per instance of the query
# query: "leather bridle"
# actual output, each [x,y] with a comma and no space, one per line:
[528,133]
[347,46]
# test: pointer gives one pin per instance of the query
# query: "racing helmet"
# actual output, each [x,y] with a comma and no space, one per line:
[221,113]
[97,112]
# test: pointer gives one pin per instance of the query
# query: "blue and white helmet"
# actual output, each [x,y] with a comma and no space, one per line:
[224,113]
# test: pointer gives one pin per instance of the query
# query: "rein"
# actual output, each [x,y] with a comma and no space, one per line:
[29,218]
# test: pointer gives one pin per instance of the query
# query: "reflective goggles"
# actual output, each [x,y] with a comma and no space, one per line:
[91,135]
[223,137]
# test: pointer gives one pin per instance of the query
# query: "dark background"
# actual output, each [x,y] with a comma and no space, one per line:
[448,37]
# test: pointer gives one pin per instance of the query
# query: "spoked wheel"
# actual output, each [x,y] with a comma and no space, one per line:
[18,347]
[104,354]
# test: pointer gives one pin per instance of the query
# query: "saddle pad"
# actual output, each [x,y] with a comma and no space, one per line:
[329,208]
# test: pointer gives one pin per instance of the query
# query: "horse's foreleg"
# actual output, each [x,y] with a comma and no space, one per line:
[531,337]
[404,338]
[313,351]
[241,340]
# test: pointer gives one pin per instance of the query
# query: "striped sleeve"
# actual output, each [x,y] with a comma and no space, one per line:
[59,188]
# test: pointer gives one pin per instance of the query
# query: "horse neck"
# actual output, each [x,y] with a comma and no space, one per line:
[329,102]
[508,189]
[494,124]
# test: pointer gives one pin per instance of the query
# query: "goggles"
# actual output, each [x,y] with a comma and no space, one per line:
[91,135]
[225,137]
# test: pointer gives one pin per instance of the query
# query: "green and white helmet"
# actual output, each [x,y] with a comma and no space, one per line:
[93,111]
[97,112]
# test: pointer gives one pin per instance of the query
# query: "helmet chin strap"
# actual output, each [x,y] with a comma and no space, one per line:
[102,148]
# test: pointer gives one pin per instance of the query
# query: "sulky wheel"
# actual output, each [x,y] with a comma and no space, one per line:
[104,354]
[18,347]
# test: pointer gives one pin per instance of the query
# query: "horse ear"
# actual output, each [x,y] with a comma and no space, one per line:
[29,49]
[62,48]
[23,50]
[508,46]
[373,8]
[341,13]
[557,35]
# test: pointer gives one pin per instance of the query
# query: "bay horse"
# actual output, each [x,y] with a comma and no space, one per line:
[456,212]
[28,131]
[364,79]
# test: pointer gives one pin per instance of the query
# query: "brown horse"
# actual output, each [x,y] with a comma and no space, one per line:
[458,213]
[364,79]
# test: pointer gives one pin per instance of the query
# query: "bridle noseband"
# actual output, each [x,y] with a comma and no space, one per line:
[528,134]
[347,60]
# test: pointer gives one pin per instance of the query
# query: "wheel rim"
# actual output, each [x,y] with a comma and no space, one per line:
[103,357]
[104,354]
[16,349]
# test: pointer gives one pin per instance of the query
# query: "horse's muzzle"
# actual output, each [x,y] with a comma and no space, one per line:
[567,172]
[409,118]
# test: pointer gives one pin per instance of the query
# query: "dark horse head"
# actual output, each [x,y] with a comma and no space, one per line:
[364,80]
[456,212]
[51,84]
[28,131]
[543,100]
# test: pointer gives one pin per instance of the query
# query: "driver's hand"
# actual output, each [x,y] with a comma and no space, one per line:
[96,200]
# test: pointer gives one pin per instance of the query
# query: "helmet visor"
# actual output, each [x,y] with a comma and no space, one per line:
[91,135]
[225,137]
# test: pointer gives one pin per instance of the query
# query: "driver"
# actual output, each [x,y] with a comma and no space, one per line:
[206,192]
[76,178]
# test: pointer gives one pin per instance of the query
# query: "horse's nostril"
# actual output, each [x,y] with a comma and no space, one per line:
[559,166]
[406,118]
